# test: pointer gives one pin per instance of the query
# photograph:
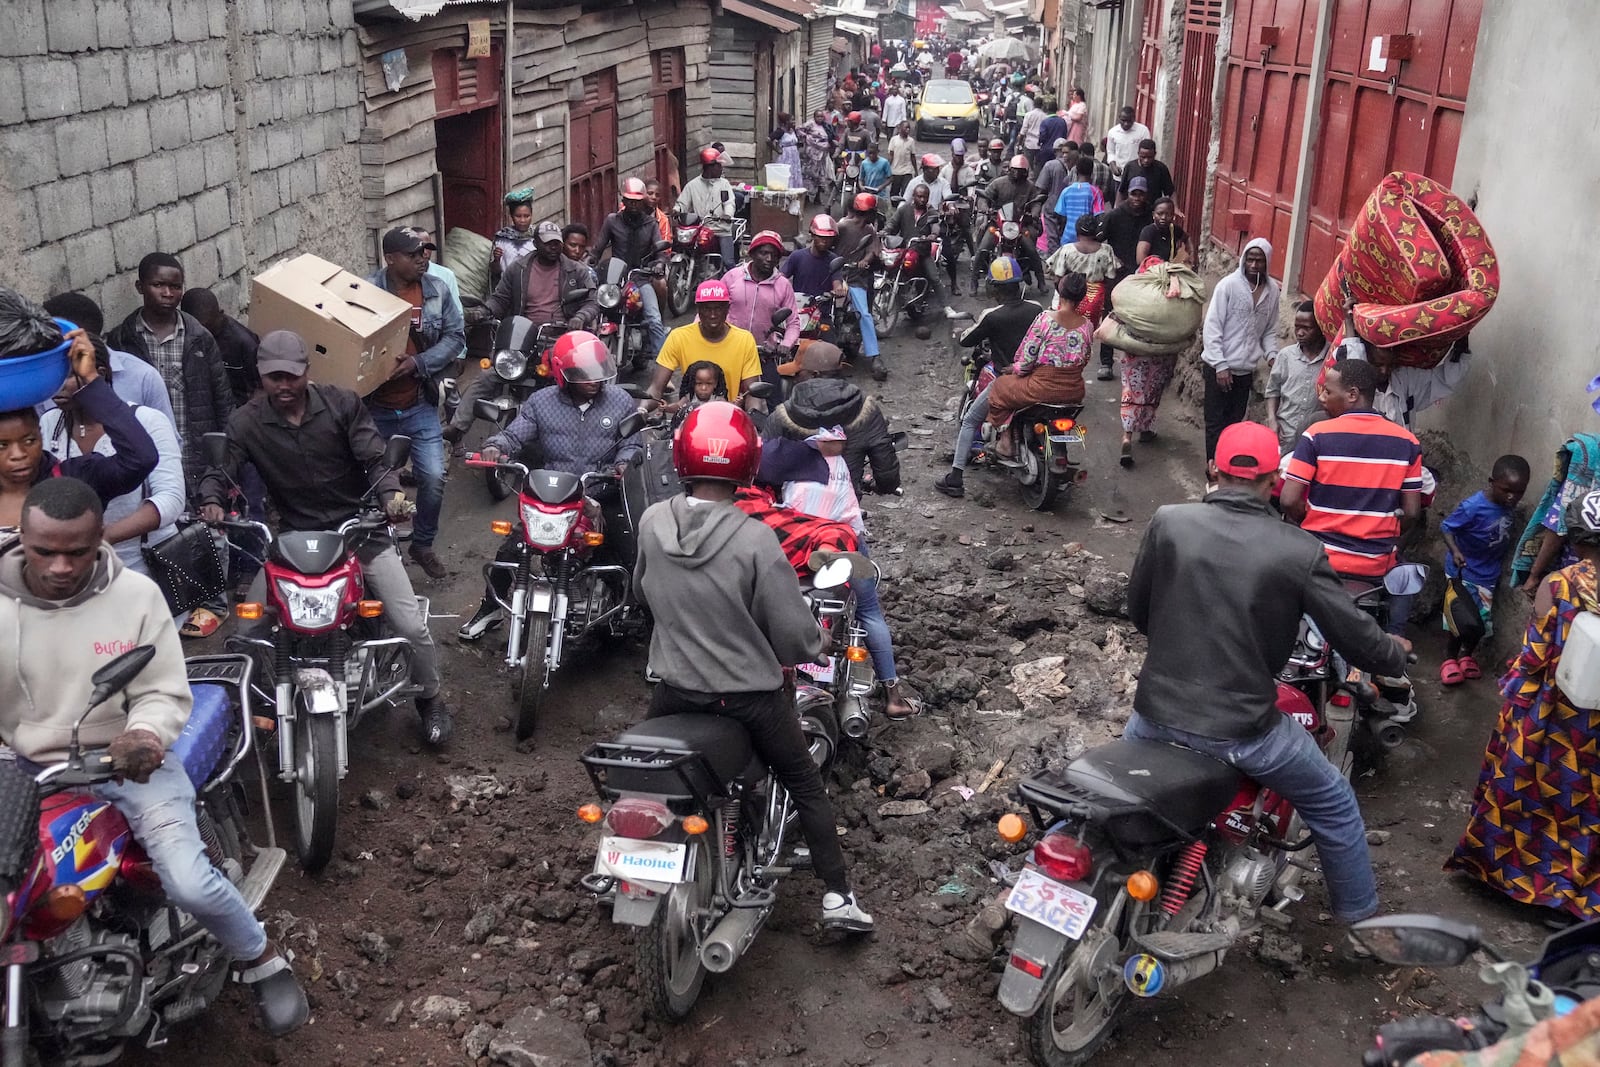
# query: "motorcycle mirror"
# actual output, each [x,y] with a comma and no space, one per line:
[1406,579]
[1418,940]
[631,425]
[835,265]
[833,575]
[486,409]
[113,678]
[215,447]
[662,246]
[760,390]
[724,196]
[781,315]
[397,451]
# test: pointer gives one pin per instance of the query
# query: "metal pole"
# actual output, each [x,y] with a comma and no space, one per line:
[1310,132]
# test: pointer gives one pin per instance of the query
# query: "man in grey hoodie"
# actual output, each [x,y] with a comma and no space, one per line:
[728,616]
[1239,332]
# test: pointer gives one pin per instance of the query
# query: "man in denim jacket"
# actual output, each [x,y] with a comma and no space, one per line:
[408,403]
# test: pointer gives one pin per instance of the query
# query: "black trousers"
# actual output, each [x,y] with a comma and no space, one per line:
[774,731]
[1224,407]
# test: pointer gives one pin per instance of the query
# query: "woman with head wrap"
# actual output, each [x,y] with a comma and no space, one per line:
[513,241]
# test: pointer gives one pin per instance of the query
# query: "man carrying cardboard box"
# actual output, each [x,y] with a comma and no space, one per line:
[408,403]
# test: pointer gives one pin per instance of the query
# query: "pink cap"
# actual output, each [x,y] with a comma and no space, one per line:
[712,291]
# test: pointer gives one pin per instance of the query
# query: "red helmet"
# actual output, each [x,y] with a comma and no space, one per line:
[1019,162]
[854,116]
[633,189]
[823,226]
[710,155]
[864,202]
[932,160]
[580,356]
[997,145]
[717,442]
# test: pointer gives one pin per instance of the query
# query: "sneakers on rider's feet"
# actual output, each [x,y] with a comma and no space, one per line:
[951,484]
[841,912]
[281,1006]
[952,313]
[436,723]
[880,370]
[486,618]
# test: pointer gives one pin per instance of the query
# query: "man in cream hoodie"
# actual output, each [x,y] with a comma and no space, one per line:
[1239,332]
[67,608]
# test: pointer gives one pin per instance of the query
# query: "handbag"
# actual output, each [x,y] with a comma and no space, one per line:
[188,567]
[1461,616]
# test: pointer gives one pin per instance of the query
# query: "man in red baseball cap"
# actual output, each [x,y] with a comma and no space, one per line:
[1219,588]
[710,337]
[757,289]
[711,197]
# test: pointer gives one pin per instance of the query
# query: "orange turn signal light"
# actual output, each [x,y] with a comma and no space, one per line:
[264,723]
[1063,425]
[543,371]
[1011,827]
[855,654]
[65,903]
[485,364]
[1142,885]
[369,609]
[695,824]
[591,813]
[1039,427]
[247,611]
[501,527]
[594,539]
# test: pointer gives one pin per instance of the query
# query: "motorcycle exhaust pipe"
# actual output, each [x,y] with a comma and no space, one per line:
[729,939]
[854,717]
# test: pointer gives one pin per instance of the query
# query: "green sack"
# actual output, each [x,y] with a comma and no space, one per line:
[469,255]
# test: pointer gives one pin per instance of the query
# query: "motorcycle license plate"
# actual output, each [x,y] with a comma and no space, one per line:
[819,672]
[650,861]
[1067,438]
[1062,908]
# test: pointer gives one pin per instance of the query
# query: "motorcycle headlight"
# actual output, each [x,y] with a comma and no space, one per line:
[545,529]
[852,171]
[888,258]
[312,609]
[608,296]
[685,236]
[1010,231]
[510,365]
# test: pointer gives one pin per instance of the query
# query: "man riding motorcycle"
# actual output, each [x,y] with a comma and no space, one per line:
[631,235]
[912,220]
[854,137]
[810,269]
[993,164]
[316,448]
[758,290]
[1014,188]
[931,178]
[80,604]
[711,197]
[1219,587]
[574,428]
[858,245]
[962,179]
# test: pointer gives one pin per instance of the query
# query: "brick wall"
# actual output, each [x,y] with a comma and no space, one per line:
[223,133]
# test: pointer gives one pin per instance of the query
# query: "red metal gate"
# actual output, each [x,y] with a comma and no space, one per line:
[1263,113]
[668,105]
[466,98]
[1151,45]
[593,150]
[1201,21]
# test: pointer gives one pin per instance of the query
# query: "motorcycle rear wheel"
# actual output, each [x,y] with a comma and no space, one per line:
[1041,492]
[680,289]
[1087,1017]
[316,799]
[671,974]
[530,699]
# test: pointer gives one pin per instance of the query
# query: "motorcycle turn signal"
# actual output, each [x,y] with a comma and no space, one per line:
[1011,828]
[591,813]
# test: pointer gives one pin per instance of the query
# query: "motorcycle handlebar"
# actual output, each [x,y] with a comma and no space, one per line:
[475,459]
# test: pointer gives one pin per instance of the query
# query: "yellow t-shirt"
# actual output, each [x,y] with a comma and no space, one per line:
[735,354]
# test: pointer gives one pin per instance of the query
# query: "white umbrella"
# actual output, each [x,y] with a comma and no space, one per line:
[1007,48]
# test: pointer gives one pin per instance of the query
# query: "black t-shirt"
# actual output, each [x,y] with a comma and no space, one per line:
[1003,326]
[1156,176]
[1122,228]
[1164,240]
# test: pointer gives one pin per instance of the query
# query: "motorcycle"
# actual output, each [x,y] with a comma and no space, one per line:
[95,956]
[622,309]
[560,594]
[1048,438]
[847,180]
[332,657]
[521,367]
[1154,861]
[697,835]
[1015,233]
[899,285]
[696,256]
[1566,973]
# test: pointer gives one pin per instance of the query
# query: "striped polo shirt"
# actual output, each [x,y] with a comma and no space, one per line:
[1354,468]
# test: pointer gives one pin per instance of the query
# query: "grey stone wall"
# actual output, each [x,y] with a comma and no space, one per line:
[223,133]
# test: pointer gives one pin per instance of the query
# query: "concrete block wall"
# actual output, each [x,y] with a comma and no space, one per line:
[223,133]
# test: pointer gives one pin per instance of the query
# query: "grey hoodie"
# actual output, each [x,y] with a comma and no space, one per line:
[727,605]
[49,648]
[1242,324]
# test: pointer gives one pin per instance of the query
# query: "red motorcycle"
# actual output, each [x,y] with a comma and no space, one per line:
[1155,861]
[95,956]
[900,287]
[696,256]
[621,300]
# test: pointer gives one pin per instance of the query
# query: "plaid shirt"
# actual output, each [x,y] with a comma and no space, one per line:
[799,534]
[167,357]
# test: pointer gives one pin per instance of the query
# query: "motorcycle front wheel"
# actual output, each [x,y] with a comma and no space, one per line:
[530,700]
[1074,1021]
[670,972]
[680,288]
[885,310]
[316,796]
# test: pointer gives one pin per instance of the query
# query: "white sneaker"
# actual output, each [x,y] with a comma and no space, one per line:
[952,314]
[843,913]
[484,620]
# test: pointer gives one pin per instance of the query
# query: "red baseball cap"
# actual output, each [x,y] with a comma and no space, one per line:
[766,237]
[1247,450]
[712,291]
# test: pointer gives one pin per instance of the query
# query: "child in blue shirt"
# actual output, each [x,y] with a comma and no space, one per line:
[1478,533]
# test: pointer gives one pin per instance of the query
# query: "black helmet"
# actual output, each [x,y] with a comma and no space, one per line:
[1583,519]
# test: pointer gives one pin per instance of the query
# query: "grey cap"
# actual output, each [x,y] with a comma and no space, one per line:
[282,352]
[547,231]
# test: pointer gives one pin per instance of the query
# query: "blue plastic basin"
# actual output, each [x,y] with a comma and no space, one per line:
[29,380]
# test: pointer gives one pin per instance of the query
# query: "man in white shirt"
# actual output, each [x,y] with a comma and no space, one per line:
[1405,391]
[1122,141]
[894,107]
[711,197]
[932,177]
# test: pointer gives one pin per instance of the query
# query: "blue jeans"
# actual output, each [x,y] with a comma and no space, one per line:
[654,328]
[869,329]
[1286,760]
[971,426]
[869,613]
[421,424]
[161,815]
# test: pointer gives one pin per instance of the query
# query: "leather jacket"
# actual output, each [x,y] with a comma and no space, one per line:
[577,292]
[1219,588]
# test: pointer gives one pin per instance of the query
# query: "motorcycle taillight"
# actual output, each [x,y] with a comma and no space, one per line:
[1063,857]
[638,818]
[912,259]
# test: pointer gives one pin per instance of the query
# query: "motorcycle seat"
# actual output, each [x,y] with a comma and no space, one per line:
[1369,593]
[309,551]
[722,741]
[205,736]
[1132,779]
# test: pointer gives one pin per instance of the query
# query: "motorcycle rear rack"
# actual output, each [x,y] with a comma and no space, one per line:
[692,769]
[1067,801]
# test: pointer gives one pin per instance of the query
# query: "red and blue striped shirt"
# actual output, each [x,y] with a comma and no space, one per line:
[1355,468]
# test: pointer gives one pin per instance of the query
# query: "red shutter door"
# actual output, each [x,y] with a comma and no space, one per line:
[593,151]
[1151,44]
[1193,141]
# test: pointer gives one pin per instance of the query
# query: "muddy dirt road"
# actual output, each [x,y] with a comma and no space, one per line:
[452,908]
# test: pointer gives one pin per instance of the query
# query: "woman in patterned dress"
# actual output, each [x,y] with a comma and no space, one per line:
[1049,363]
[1534,833]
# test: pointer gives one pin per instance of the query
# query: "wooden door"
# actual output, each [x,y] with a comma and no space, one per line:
[593,151]
[1191,146]
[668,104]
[466,99]
[765,113]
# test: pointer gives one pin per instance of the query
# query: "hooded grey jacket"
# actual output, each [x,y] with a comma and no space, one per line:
[727,605]
[1241,323]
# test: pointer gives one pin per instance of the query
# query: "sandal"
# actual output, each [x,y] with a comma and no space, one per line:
[1450,672]
[1470,668]
[898,690]
[1127,454]
[202,623]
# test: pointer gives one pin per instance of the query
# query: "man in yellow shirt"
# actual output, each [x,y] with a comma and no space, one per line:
[710,337]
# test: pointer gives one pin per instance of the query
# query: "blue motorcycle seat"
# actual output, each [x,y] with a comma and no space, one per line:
[200,746]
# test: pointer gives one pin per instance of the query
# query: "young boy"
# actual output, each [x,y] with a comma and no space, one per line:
[1477,533]
[1291,390]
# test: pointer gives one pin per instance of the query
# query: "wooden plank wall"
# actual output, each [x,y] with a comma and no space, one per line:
[733,92]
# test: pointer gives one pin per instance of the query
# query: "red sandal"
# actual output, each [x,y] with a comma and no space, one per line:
[1470,668]
[1450,672]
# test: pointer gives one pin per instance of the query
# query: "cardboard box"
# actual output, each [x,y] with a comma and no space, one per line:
[355,331]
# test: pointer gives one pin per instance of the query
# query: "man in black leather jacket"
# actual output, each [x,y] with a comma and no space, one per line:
[1219,588]
[631,235]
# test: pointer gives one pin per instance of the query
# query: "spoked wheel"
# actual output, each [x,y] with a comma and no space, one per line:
[316,791]
[819,723]
[1075,1019]
[1039,484]
[670,972]
[885,311]
[680,289]
[535,661]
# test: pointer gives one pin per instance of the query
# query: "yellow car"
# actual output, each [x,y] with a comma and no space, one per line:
[948,108]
